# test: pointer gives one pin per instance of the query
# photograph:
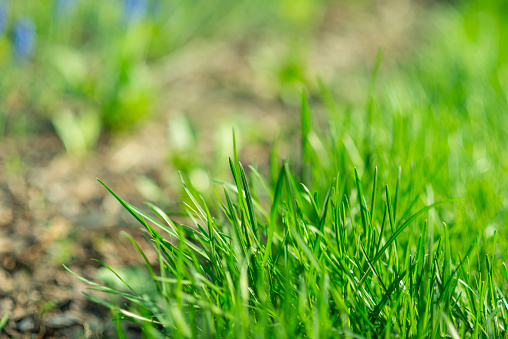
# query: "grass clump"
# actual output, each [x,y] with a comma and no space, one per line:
[312,255]
[328,246]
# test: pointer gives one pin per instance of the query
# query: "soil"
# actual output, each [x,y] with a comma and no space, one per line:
[53,211]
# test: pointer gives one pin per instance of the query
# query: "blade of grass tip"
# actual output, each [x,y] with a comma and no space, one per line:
[140,215]
[262,181]
[97,287]
[291,192]
[274,163]
[447,255]
[390,210]
[116,274]
[158,211]
[211,231]
[217,235]
[396,199]
[223,207]
[273,214]
[227,184]
[192,215]
[241,200]
[250,205]
[306,128]
[351,219]
[123,203]
[495,235]
[303,225]
[86,281]
[4,320]
[363,208]
[236,222]
[154,235]
[202,215]
[311,198]
[162,244]
[343,217]
[382,229]
[336,213]
[127,296]
[373,198]
[322,220]
[491,275]
[146,216]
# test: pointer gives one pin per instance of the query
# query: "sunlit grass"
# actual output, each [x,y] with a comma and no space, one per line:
[387,219]
[286,259]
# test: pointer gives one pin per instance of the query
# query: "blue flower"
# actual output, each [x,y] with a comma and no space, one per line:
[134,10]
[4,16]
[24,38]
[65,7]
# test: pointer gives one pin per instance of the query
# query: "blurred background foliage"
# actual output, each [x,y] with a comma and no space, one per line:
[84,68]
[449,104]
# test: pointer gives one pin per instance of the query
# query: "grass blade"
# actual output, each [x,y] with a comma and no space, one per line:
[273,214]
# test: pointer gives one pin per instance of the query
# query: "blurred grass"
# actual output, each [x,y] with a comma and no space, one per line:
[87,67]
[449,112]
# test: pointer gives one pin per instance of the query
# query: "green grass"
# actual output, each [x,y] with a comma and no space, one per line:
[283,262]
[387,219]
[277,258]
